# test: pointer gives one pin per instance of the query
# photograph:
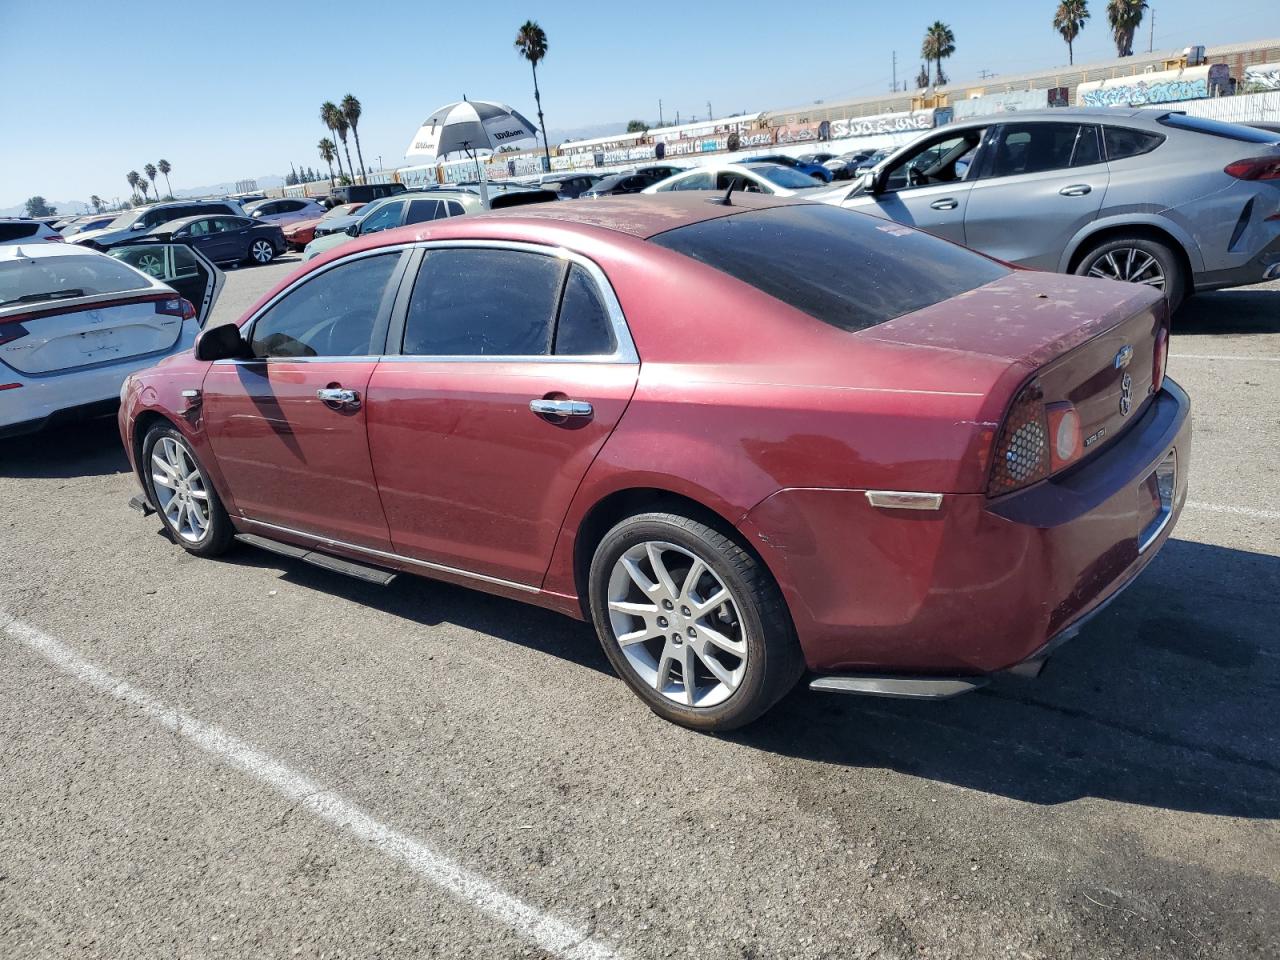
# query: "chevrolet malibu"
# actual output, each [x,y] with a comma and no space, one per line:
[899,478]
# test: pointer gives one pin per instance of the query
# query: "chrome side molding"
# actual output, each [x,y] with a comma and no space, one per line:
[901,500]
[902,688]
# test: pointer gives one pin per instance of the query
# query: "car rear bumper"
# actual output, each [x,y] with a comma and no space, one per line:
[978,586]
[1265,265]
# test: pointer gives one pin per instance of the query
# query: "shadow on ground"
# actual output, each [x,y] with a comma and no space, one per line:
[1230,311]
[1166,700]
[88,448]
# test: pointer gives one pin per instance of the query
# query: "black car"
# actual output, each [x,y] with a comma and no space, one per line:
[620,183]
[569,185]
[362,193]
[660,171]
[222,239]
[844,166]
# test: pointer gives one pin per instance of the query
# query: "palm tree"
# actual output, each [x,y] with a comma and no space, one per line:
[164,167]
[1125,16]
[351,111]
[531,43]
[151,172]
[326,149]
[939,43]
[341,126]
[329,114]
[134,180]
[96,202]
[1069,21]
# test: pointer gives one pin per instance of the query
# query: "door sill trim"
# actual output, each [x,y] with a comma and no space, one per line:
[324,542]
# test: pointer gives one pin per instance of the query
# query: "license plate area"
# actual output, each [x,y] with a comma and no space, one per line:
[1156,492]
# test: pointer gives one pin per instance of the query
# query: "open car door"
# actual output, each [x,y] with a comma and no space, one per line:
[184,268]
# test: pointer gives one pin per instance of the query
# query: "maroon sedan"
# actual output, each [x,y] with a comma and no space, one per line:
[746,440]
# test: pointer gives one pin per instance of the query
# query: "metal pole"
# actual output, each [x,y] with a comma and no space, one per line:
[709,113]
[895,71]
[1151,37]
[660,122]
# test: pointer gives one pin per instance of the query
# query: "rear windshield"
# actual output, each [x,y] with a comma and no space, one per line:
[1232,131]
[18,231]
[46,279]
[847,269]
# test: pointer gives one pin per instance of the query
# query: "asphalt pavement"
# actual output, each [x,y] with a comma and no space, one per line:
[250,757]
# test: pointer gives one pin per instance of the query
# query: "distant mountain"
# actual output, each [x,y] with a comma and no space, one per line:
[71,207]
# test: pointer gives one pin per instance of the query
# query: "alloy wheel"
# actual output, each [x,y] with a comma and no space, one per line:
[181,489]
[1130,265]
[677,624]
[262,251]
[151,264]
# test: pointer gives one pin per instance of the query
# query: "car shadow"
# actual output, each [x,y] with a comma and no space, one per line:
[1230,311]
[88,448]
[1165,700]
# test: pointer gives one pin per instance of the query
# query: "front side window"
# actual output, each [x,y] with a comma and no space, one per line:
[334,314]
[457,308]
[939,161]
[384,218]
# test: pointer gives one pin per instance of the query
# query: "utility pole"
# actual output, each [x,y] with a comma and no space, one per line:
[660,123]
[709,113]
[895,71]
[1151,37]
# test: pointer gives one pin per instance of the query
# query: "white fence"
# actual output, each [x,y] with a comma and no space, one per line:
[1245,108]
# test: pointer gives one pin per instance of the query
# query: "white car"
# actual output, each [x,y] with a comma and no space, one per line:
[75,322]
[288,210]
[771,178]
[24,231]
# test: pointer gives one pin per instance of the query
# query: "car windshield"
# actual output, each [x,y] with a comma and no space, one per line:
[785,176]
[1232,131]
[122,221]
[342,210]
[847,269]
[41,279]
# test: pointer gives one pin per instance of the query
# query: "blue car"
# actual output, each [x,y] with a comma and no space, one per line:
[815,170]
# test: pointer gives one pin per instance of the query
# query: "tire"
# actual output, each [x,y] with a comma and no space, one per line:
[755,650]
[189,507]
[1138,260]
[261,252]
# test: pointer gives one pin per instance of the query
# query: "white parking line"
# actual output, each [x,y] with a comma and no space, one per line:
[553,935]
[1238,511]
[1221,356]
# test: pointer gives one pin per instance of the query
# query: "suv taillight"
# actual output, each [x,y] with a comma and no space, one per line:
[1254,168]
[1021,454]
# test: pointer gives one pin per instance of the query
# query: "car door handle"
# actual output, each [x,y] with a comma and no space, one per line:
[339,398]
[560,408]
[1076,190]
[946,204]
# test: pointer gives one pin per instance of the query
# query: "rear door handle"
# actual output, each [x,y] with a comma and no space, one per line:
[339,398]
[946,204]
[560,408]
[1076,190]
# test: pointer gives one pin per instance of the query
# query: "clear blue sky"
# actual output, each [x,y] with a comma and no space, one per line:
[227,89]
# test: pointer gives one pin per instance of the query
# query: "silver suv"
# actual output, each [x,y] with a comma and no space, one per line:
[1176,202]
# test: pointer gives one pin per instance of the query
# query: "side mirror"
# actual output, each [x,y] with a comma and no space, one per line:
[222,342]
[353,230]
[870,182]
[256,213]
[137,225]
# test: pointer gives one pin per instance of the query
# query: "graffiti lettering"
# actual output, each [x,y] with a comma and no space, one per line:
[883,123]
[1137,94]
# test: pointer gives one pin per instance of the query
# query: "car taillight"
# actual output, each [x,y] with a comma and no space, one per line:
[1021,454]
[57,238]
[1159,359]
[1254,168]
[10,331]
[176,307]
[1066,440]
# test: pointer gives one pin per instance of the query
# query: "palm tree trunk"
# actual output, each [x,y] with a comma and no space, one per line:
[350,166]
[1071,57]
[168,185]
[334,134]
[537,97]
[364,173]
[330,162]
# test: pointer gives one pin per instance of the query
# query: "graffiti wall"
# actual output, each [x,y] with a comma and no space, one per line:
[990,103]
[886,123]
[1262,78]
[1168,86]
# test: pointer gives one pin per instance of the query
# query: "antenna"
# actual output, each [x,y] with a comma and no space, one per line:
[725,201]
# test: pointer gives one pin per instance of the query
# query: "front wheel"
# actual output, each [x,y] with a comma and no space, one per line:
[180,491]
[1138,260]
[693,623]
[262,252]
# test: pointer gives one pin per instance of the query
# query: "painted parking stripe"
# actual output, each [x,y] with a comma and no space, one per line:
[1222,356]
[551,934]
[1237,511]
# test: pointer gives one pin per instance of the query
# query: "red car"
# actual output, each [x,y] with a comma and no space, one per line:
[903,472]
[299,234]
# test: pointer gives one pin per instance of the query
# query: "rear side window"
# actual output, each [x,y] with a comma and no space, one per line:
[1125,142]
[1216,128]
[334,314]
[423,210]
[1041,147]
[44,279]
[583,327]
[18,231]
[847,269]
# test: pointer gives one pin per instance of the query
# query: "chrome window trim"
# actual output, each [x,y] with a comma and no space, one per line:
[624,351]
[324,541]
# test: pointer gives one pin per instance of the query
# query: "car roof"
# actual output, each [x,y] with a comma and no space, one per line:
[1078,114]
[42,248]
[170,225]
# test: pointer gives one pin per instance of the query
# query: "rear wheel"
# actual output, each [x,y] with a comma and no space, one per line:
[1138,260]
[262,252]
[181,492]
[693,623]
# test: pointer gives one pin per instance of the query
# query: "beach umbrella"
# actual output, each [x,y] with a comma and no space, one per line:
[469,126]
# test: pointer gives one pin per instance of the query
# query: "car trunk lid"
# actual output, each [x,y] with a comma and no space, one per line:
[57,338]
